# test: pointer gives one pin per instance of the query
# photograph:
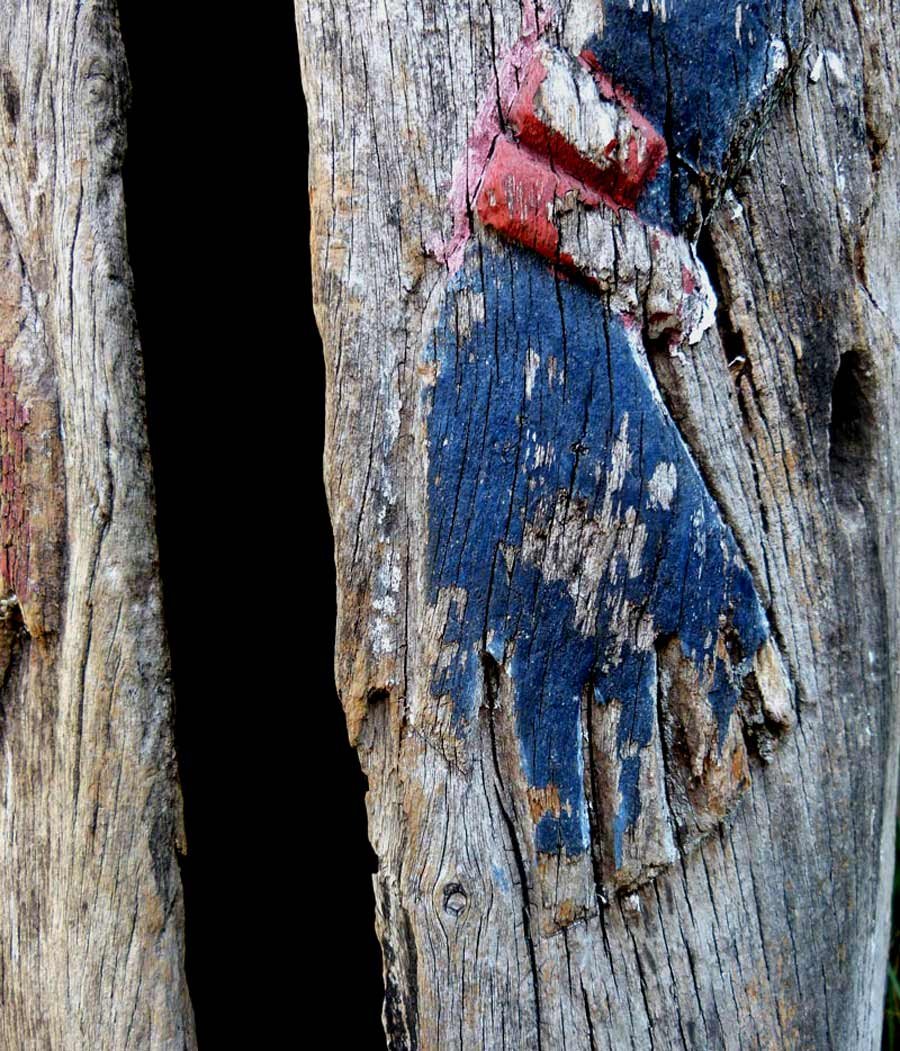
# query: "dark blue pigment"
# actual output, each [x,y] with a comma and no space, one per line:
[694,78]
[486,485]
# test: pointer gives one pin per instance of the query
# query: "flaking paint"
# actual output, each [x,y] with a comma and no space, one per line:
[491,483]
[531,405]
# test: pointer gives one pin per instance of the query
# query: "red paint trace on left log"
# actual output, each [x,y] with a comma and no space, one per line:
[15,529]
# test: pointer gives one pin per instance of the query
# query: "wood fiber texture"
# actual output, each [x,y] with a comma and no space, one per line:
[551,382]
[92,950]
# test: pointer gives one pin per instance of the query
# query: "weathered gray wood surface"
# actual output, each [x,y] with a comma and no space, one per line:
[772,932]
[91,922]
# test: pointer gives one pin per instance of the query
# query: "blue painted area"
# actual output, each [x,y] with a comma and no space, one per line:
[500,878]
[694,77]
[630,808]
[499,460]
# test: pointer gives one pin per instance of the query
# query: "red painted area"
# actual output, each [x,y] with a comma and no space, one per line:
[470,168]
[524,179]
[15,531]
[521,117]
[517,196]
[664,321]
[656,144]
[688,281]
[521,180]
[618,183]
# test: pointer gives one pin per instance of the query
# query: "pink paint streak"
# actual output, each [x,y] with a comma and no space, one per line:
[469,171]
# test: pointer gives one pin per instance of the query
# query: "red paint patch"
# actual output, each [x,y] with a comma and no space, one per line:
[618,184]
[517,197]
[688,281]
[523,179]
[641,166]
[15,531]
[470,169]
[662,320]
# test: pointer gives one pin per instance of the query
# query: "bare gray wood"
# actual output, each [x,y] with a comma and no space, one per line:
[768,928]
[91,921]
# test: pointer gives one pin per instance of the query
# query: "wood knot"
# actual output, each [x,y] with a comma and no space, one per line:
[455,899]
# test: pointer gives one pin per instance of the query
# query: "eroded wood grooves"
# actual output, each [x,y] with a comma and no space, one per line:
[91,949]
[609,304]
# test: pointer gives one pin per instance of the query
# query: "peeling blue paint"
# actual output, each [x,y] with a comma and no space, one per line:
[525,412]
[694,75]
[630,808]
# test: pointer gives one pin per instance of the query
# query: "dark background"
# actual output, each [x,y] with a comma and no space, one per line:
[277,878]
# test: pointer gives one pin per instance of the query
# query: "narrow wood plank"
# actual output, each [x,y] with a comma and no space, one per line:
[92,945]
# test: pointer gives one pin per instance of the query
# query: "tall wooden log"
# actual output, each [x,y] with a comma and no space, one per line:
[91,953]
[610,305]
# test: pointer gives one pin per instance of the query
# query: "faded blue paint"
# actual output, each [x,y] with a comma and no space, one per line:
[500,878]
[630,807]
[488,484]
[694,77]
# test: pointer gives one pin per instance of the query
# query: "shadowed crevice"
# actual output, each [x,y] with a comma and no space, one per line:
[851,433]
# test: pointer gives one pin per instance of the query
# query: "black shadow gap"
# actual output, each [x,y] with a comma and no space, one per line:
[277,878]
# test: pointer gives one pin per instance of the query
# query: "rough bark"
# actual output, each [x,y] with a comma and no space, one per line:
[717,873]
[91,953]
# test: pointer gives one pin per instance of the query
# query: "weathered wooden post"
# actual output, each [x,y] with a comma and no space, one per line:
[610,306]
[91,932]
